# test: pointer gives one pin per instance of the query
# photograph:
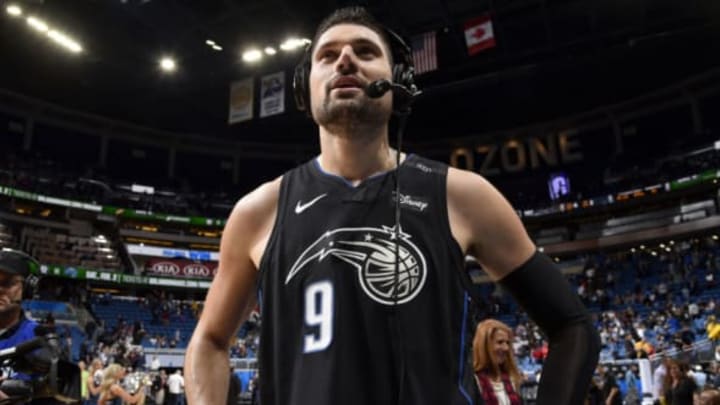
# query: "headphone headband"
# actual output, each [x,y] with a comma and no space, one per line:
[14,261]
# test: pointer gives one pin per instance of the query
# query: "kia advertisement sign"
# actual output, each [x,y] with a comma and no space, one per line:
[180,268]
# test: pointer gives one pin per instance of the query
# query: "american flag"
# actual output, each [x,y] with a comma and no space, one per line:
[424,52]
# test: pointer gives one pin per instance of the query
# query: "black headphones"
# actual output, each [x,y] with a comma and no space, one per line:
[17,262]
[403,71]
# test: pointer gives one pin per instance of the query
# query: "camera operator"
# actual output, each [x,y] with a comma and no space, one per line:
[15,328]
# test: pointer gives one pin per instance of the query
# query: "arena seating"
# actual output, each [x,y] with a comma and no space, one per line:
[58,248]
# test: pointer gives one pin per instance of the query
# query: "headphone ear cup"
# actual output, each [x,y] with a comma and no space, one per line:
[30,286]
[301,89]
[406,77]
[397,74]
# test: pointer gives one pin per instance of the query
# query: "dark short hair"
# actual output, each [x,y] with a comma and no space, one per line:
[354,15]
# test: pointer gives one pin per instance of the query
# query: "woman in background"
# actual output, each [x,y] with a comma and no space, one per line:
[679,387]
[93,381]
[496,372]
[111,393]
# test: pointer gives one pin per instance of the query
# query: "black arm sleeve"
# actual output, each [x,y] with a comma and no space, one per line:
[542,291]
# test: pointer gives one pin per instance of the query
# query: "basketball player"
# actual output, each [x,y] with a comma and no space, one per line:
[342,322]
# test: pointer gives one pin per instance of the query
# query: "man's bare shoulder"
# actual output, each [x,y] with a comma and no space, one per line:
[484,222]
[466,185]
[259,203]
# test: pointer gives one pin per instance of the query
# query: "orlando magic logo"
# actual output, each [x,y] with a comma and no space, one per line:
[371,251]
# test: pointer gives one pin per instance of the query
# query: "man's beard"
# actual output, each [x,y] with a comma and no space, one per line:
[345,115]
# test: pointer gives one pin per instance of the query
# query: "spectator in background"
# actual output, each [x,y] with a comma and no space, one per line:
[159,387]
[139,333]
[632,396]
[496,371]
[155,363]
[714,375]
[659,379]
[253,387]
[610,390]
[93,381]
[679,388]
[234,389]
[713,328]
[84,374]
[176,388]
[594,396]
[700,376]
[709,397]
[643,349]
[630,347]
[111,391]
[49,320]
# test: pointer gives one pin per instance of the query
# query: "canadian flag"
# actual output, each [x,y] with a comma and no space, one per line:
[479,34]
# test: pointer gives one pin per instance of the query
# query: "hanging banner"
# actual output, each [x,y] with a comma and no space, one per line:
[272,94]
[241,101]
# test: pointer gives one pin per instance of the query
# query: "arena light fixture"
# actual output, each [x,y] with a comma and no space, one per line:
[632,250]
[214,45]
[65,41]
[292,44]
[37,24]
[14,10]
[252,55]
[167,64]
[269,50]
[715,237]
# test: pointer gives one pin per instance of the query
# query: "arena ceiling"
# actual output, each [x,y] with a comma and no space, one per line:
[554,58]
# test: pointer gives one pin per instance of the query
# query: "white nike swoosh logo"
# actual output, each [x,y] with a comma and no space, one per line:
[300,207]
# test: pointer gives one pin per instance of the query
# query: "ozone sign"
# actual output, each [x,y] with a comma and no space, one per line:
[514,156]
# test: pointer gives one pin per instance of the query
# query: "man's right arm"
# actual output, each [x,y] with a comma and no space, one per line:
[231,296]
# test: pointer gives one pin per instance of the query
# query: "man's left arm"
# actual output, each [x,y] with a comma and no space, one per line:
[484,223]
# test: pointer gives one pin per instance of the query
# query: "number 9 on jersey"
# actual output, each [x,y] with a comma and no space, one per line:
[319,315]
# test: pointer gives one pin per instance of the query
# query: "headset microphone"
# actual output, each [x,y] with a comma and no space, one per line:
[378,88]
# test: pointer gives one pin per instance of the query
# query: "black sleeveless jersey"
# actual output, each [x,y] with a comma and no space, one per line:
[340,325]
